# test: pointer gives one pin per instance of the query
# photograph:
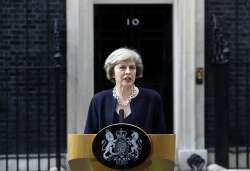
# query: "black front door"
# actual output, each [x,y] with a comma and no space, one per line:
[146,28]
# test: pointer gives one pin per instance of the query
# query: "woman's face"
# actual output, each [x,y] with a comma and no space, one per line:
[125,73]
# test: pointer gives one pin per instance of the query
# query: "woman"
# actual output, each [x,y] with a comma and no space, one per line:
[141,106]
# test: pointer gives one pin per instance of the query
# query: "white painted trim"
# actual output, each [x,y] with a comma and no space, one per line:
[72,54]
[80,57]
[200,62]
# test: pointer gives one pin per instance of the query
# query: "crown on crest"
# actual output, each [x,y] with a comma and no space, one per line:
[121,133]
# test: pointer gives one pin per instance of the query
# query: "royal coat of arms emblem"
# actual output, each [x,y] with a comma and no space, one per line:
[121,146]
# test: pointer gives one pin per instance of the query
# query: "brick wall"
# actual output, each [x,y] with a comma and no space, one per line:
[228,38]
[32,75]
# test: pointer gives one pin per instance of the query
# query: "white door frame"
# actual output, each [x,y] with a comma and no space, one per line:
[188,54]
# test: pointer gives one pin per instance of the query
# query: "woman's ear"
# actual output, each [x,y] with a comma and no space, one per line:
[113,74]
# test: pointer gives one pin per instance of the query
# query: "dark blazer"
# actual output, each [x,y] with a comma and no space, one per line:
[146,112]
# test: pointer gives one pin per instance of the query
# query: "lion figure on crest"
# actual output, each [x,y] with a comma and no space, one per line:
[136,144]
[110,141]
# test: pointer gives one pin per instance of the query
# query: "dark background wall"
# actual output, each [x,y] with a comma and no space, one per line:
[227,94]
[32,76]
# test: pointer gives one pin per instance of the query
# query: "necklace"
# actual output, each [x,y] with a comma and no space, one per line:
[133,94]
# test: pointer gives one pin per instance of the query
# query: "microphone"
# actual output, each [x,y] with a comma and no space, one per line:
[121,115]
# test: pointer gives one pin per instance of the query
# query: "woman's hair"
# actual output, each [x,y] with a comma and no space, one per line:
[119,55]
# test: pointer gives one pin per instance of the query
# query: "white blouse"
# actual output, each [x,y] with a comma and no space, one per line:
[127,108]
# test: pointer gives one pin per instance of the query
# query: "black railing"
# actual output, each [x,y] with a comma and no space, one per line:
[34,119]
